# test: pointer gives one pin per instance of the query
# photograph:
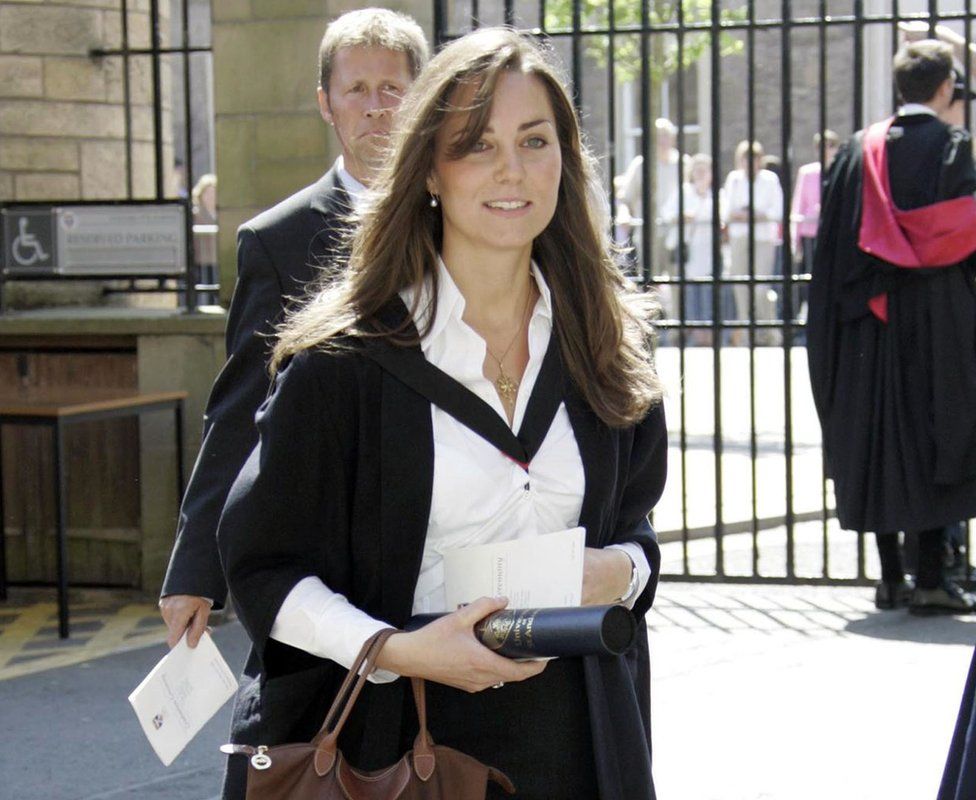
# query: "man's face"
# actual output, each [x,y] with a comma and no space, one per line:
[366,86]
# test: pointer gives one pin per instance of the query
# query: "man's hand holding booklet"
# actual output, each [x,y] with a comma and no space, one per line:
[181,693]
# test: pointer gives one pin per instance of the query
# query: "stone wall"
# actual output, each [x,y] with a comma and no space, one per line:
[62,114]
[270,139]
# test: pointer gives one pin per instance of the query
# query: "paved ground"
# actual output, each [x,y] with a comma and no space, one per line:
[759,693]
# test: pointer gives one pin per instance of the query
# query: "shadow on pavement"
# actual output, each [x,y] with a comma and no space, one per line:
[902,626]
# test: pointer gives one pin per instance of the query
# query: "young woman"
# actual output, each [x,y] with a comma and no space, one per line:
[481,372]
[699,224]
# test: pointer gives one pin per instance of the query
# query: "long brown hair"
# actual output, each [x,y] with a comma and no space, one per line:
[602,323]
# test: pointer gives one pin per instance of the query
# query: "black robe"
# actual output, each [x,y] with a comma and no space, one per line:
[896,398]
[959,776]
[339,487]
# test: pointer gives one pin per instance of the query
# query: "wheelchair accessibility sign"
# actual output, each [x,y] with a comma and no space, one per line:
[28,241]
[94,239]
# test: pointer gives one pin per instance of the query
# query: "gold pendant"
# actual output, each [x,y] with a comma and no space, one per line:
[507,388]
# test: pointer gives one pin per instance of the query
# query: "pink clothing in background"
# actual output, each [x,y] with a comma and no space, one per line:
[805,213]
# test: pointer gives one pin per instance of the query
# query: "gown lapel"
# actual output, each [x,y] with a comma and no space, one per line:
[408,365]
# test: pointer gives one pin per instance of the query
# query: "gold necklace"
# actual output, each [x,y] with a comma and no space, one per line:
[507,386]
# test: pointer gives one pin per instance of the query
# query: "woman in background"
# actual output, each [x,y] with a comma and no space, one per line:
[699,225]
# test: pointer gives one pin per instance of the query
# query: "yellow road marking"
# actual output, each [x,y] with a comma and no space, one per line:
[25,627]
[118,631]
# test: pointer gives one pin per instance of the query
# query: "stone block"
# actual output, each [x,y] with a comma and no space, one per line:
[38,118]
[290,136]
[74,79]
[47,186]
[21,76]
[231,10]
[234,138]
[6,186]
[283,81]
[49,30]
[138,27]
[92,3]
[142,124]
[229,220]
[143,170]
[140,80]
[103,170]
[38,155]
[275,180]
[280,9]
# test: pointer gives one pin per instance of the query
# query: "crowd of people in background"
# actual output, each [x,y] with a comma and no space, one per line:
[740,242]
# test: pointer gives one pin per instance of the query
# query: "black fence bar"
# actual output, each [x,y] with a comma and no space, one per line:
[157,93]
[127,98]
[647,138]
[822,156]
[751,287]
[858,124]
[683,305]
[786,147]
[718,443]
[187,99]
[155,53]
[598,38]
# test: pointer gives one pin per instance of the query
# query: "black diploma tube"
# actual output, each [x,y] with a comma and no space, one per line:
[552,632]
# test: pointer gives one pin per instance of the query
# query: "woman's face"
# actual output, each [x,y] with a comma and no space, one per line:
[501,194]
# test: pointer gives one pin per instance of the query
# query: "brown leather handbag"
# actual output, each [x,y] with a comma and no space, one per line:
[317,770]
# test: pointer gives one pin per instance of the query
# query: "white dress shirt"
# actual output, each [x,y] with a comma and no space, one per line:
[479,495]
[354,188]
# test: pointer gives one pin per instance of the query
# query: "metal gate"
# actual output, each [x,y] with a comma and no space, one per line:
[668,90]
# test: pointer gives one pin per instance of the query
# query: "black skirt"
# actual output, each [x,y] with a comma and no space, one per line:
[537,731]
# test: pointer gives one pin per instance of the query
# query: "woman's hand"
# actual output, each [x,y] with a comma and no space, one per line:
[606,575]
[446,651]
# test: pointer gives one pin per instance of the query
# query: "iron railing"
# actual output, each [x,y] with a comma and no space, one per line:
[766,513]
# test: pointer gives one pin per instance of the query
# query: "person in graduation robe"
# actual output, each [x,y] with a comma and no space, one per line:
[892,330]
[481,373]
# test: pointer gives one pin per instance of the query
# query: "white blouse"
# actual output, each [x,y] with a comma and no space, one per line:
[479,494]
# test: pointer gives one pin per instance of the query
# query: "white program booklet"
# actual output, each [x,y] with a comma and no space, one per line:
[535,572]
[181,693]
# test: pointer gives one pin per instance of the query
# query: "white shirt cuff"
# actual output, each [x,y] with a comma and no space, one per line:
[324,623]
[637,555]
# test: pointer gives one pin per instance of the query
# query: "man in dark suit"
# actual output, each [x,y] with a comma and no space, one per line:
[367,60]
[891,337]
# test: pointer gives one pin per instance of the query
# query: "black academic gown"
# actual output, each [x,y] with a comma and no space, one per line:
[959,777]
[279,253]
[339,487]
[896,399]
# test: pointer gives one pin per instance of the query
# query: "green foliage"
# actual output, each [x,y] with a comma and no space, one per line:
[664,61]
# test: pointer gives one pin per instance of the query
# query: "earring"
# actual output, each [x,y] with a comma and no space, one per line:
[433,201]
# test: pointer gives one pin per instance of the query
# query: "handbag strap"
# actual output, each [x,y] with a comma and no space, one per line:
[355,679]
[327,739]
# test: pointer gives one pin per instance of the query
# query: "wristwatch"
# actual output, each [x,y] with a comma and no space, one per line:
[632,586]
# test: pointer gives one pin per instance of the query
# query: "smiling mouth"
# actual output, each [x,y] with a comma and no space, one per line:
[507,205]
